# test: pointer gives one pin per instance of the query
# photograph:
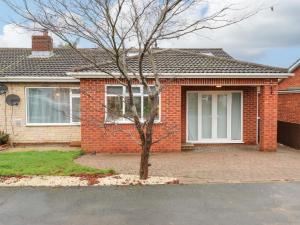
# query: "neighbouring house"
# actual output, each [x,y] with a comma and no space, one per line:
[289,108]
[208,98]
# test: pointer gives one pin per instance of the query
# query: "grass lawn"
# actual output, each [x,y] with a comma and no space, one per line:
[44,163]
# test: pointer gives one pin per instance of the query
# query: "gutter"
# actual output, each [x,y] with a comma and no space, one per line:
[39,79]
[295,91]
[75,76]
[82,75]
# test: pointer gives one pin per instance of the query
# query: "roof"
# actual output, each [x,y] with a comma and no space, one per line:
[294,66]
[15,63]
[185,61]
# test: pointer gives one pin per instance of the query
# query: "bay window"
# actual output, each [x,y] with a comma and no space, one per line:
[50,106]
[117,103]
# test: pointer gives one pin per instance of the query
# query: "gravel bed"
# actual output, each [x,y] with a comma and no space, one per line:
[54,181]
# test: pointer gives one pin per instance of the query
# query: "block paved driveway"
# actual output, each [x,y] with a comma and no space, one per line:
[230,164]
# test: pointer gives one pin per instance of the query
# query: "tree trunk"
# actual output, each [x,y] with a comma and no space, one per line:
[144,164]
[147,141]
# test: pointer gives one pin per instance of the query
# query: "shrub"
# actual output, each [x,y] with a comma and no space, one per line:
[3,138]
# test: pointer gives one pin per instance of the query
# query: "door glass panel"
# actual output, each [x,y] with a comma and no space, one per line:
[206,116]
[236,116]
[222,116]
[192,116]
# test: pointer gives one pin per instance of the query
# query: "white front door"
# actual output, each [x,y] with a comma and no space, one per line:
[214,117]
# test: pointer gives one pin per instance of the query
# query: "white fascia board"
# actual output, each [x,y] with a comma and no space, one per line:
[79,75]
[294,66]
[38,79]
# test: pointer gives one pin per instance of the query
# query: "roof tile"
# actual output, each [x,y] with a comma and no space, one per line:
[187,61]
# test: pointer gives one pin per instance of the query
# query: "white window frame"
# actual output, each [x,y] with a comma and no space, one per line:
[71,123]
[141,94]
[72,96]
[214,123]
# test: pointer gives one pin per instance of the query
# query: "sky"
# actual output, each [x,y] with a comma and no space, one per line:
[270,37]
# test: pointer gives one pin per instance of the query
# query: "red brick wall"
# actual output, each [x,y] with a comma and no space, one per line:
[250,115]
[249,110]
[268,117]
[293,81]
[100,137]
[289,107]
[289,103]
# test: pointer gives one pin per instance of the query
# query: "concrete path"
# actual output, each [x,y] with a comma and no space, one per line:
[213,204]
[226,164]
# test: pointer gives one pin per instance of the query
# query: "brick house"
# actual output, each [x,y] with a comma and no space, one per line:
[208,98]
[289,108]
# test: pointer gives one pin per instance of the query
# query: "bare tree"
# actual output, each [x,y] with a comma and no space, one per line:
[118,26]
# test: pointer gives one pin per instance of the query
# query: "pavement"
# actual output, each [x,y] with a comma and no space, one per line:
[206,204]
[210,164]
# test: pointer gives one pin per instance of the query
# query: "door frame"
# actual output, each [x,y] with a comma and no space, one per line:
[214,140]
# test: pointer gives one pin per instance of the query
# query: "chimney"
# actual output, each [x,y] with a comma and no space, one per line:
[42,45]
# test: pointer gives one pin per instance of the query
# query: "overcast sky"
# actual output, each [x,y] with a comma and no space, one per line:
[270,37]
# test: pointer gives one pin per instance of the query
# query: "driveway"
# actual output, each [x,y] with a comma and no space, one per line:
[211,204]
[230,164]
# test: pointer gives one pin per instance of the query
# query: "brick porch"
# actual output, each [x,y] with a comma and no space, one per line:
[99,137]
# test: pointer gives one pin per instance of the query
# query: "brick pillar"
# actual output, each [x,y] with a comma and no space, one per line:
[268,118]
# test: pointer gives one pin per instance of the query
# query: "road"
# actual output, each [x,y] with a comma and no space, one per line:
[211,204]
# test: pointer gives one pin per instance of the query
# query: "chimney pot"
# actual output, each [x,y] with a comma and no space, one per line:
[45,32]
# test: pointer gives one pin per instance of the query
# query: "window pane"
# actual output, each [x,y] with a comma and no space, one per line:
[152,88]
[236,116]
[192,102]
[115,90]
[114,108]
[75,110]
[48,105]
[137,102]
[135,90]
[75,91]
[222,116]
[206,116]
[147,109]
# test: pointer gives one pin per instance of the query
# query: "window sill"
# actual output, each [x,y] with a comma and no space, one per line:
[126,123]
[52,125]
[216,142]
